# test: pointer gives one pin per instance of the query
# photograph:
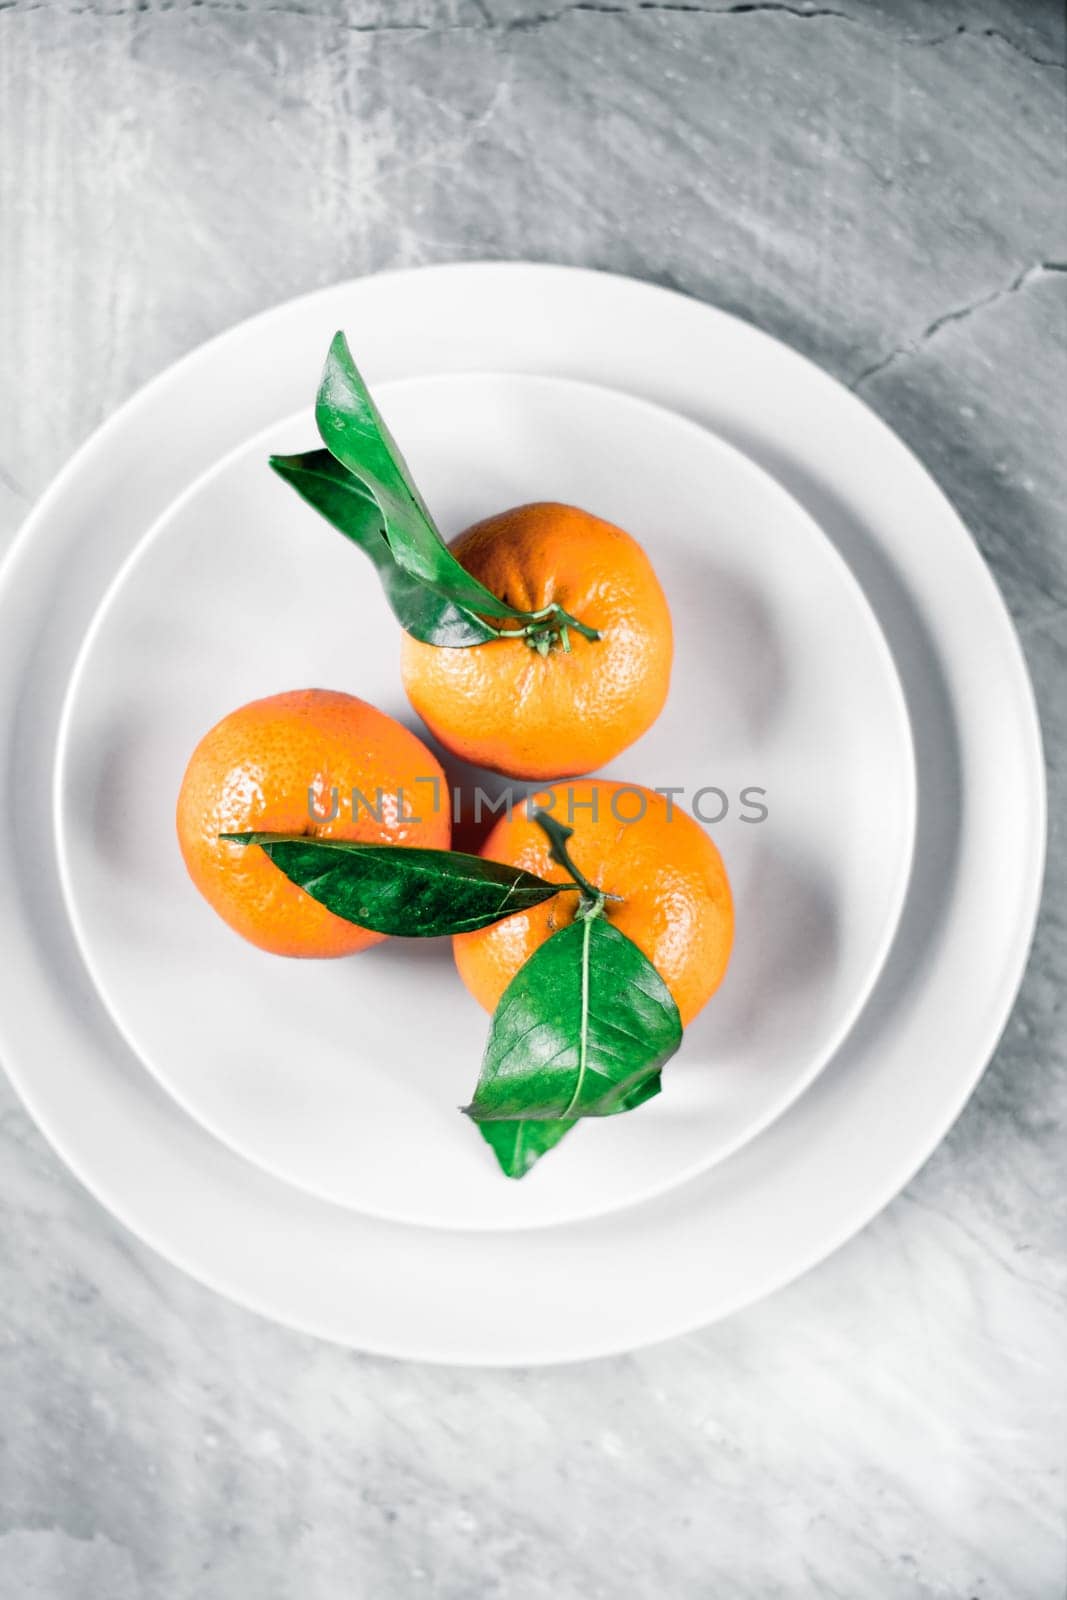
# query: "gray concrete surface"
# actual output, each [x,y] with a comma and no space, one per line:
[881,185]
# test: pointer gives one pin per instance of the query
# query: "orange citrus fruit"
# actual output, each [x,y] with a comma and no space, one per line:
[508,706]
[669,889]
[265,768]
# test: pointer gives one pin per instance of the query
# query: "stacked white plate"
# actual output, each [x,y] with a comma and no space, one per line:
[287,1131]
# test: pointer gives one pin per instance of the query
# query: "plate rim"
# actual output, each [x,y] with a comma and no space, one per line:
[835,1036]
[577,282]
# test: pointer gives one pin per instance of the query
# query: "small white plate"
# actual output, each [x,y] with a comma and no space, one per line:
[344,1077]
[845,1147]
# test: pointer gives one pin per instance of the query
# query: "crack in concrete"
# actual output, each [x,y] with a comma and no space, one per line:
[487,24]
[529,24]
[676,7]
[965,31]
[912,347]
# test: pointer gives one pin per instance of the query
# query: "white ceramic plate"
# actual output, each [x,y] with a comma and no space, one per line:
[344,1077]
[873,1115]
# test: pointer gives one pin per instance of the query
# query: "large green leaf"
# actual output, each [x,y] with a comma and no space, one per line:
[321,480]
[353,431]
[400,889]
[582,1030]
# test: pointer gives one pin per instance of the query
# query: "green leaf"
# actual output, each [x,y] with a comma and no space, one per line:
[582,1030]
[339,496]
[333,491]
[400,889]
[519,1145]
[353,431]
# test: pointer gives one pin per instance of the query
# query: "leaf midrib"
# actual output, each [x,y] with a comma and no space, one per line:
[583,1035]
[356,847]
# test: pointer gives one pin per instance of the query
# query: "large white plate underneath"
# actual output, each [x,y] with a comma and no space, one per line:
[875,1113]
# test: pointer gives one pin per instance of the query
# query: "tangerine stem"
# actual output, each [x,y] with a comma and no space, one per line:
[548,620]
[593,899]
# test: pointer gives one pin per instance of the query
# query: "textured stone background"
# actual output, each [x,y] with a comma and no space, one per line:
[880,184]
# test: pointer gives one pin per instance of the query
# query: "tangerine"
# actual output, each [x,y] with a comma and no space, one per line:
[281,765]
[549,702]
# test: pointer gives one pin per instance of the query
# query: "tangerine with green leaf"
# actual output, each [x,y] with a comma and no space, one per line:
[550,701]
[662,877]
[539,644]
[272,767]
